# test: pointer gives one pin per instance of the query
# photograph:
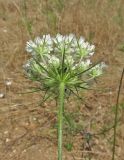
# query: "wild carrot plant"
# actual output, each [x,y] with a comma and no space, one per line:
[61,64]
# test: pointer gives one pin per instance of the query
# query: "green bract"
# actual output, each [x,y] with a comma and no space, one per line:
[61,59]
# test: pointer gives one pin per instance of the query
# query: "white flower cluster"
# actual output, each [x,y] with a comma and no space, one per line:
[40,45]
[97,70]
[60,43]
[60,56]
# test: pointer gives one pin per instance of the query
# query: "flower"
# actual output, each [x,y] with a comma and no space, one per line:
[38,41]
[64,43]
[30,46]
[85,64]
[69,60]
[84,49]
[61,58]
[61,66]
[97,70]
[58,39]
[69,38]
[40,45]
[54,60]
[81,41]
[47,39]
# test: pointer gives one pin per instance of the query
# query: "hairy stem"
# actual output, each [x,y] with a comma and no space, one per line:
[60,118]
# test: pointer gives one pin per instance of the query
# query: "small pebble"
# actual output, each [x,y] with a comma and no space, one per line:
[100,107]
[2,95]
[6,132]
[7,140]
[27,124]
[24,151]
[10,155]
[110,93]
[5,30]
[14,151]
[8,82]
[34,118]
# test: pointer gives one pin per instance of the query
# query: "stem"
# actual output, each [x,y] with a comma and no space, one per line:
[60,118]
[116,116]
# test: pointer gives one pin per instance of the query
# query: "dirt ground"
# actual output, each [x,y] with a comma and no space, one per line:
[27,130]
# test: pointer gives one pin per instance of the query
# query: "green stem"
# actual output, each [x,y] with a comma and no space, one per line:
[60,118]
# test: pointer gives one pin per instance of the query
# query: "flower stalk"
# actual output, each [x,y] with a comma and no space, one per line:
[60,118]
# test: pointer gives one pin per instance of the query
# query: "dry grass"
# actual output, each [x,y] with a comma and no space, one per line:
[102,23]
